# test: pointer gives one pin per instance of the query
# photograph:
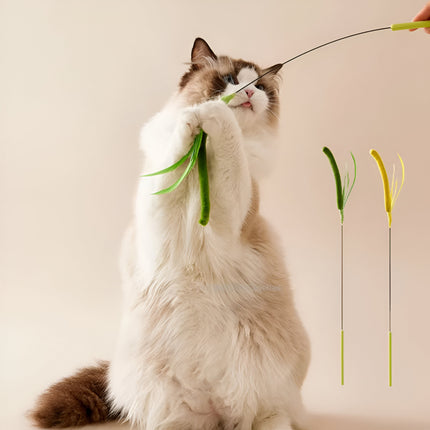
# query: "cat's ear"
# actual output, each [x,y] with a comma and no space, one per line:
[273,69]
[200,51]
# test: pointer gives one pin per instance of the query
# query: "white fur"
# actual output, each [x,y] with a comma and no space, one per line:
[183,359]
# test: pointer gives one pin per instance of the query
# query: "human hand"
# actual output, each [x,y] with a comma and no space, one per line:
[423,15]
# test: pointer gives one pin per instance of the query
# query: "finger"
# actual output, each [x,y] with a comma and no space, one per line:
[423,14]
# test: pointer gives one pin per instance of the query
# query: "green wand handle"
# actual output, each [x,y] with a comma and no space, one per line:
[390,358]
[410,25]
[342,358]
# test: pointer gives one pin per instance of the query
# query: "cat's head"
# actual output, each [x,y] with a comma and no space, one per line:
[210,76]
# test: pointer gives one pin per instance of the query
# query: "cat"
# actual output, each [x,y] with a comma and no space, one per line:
[210,337]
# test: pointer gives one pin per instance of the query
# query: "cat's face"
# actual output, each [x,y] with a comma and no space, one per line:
[210,76]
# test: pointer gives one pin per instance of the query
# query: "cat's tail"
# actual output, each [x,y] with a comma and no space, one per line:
[75,401]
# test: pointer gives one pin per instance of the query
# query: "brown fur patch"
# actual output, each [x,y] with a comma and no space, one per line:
[252,212]
[75,401]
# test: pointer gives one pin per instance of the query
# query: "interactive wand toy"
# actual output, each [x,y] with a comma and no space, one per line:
[198,148]
[342,195]
[390,196]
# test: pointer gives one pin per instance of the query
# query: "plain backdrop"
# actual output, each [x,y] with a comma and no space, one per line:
[77,81]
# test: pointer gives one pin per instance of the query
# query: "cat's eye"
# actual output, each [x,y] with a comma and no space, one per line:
[260,87]
[229,79]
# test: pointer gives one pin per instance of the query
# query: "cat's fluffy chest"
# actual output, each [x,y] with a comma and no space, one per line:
[198,341]
[167,230]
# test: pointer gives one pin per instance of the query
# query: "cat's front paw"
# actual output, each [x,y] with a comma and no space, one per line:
[217,119]
[189,125]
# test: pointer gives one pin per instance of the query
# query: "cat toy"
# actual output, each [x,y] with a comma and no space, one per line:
[391,193]
[343,192]
[197,152]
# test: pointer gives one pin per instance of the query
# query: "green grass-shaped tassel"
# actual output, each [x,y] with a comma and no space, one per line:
[197,153]
[342,191]
[192,154]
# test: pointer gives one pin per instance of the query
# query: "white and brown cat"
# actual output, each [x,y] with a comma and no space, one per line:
[210,337]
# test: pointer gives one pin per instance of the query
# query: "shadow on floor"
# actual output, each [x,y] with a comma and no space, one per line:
[339,422]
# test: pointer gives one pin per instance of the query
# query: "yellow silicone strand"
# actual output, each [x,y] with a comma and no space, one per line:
[386,184]
[397,192]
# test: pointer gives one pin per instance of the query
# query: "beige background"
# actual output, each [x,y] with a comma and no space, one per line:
[78,79]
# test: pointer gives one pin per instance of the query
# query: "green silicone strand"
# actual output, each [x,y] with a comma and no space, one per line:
[173,166]
[390,355]
[342,359]
[193,159]
[337,179]
[348,192]
[204,183]
[410,25]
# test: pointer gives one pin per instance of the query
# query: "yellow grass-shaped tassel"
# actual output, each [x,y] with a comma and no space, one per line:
[390,193]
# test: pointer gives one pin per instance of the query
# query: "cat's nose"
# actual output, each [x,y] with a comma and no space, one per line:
[249,92]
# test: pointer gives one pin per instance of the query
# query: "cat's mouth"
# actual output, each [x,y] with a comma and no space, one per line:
[245,105]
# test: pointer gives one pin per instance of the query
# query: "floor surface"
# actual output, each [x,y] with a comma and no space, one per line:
[317,422]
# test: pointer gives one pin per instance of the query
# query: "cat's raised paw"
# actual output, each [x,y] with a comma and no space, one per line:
[189,125]
[217,119]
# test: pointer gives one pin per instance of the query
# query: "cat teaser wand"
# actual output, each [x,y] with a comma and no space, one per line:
[343,192]
[198,148]
[390,196]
